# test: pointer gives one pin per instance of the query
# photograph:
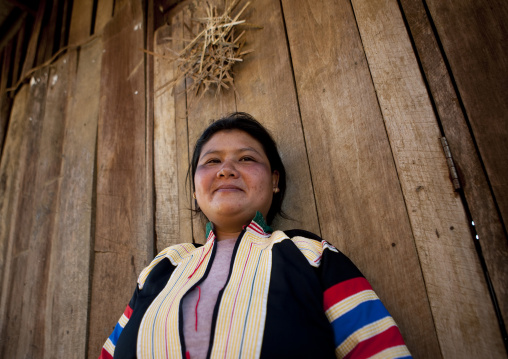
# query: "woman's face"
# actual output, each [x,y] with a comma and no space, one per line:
[233,179]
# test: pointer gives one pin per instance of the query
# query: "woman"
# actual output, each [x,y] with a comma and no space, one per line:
[249,291]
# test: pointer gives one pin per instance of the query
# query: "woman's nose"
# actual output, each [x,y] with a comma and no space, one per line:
[227,170]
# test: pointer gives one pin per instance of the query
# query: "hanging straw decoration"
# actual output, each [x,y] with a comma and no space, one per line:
[208,59]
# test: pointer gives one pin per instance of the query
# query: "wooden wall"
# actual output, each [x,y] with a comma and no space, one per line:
[358,93]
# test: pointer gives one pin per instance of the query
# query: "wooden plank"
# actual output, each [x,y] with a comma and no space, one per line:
[34,224]
[473,34]
[17,284]
[270,96]
[147,27]
[34,40]
[464,318]
[167,214]
[20,40]
[69,272]
[81,21]
[476,189]
[123,241]
[5,98]
[10,179]
[104,14]
[182,140]
[52,31]
[360,205]
[66,14]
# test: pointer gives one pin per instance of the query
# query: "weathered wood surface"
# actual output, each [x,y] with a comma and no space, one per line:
[104,14]
[167,214]
[68,289]
[436,213]
[11,174]
[27,279]
[473,35]
[359,201]
[34,39]
[123,239]
[265,88]
[182,140]
[5,97]
[81,21]
[473,179]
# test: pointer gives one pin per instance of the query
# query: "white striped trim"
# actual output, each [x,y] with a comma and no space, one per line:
[399,351]
[110,348]
[123,320]
[349,303]
[364,333]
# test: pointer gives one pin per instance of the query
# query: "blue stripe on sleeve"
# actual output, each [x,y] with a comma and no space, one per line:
[116,333]
[362,315]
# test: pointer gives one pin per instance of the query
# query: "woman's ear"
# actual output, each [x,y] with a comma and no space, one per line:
[275,179]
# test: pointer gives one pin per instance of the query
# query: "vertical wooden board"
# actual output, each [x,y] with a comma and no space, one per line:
[182,139]
[104,14]
[81,21]
[123,241]
[473,35]
[69,272]
[147,25]
[265,88]
[19,282]
[360,205]
[5,97]
[460,303]
[167,215]
[476,189]
[10,175]
[20,39]
[35,217]
[34,39]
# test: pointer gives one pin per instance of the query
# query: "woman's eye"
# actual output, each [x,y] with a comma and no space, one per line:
[247,158]
[212,160]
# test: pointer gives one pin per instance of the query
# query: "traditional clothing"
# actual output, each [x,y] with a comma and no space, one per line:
[287,295]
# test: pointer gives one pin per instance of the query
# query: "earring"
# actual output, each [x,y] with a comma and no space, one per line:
[194,195]
[276,190]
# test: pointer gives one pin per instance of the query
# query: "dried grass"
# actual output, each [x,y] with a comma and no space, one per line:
[208,59]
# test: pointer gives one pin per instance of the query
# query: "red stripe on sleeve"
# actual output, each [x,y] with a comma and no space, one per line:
[391,337]
[105,354]
[128,312]
[343,290]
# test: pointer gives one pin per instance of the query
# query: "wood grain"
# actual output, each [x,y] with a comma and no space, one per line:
[34,225]
[123,245]
[167,215]
[182,139]
[270,96]
[34,39]
[480,200]
[437,217]
[68,284]
[5,97]
[81,21]
[24,275]
[11,174]
[104,14]
[473,34]
[360,205]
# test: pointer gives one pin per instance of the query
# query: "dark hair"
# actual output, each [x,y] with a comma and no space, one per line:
[244,122]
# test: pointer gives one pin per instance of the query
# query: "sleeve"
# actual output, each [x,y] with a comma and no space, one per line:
[362,327]
[108,349]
